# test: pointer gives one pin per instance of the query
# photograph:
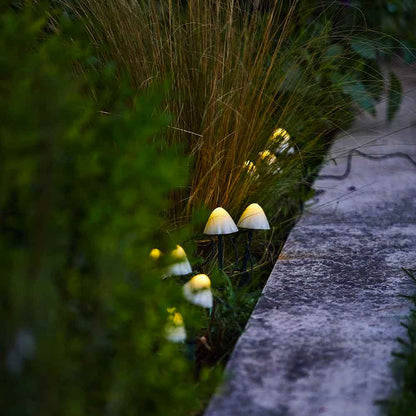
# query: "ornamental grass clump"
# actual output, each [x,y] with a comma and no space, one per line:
[236,74]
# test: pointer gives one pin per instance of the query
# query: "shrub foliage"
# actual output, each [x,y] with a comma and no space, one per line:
[82,186]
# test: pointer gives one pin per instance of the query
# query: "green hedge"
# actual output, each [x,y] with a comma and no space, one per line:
[82,186]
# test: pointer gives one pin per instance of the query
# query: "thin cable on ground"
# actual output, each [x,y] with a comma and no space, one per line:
[367,156]
[391,133]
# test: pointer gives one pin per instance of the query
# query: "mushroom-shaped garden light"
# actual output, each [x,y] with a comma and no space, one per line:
[155,254]
[220,223]
[198,291]
[267,156]
[181,266]
[175,328]
[282,138]
[253,218]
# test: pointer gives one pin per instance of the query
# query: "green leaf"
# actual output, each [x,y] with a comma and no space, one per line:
[394,96]
[364,47]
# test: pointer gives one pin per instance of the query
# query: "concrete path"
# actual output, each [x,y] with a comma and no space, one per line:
[320,339]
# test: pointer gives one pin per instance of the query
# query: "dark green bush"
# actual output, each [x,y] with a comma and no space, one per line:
[82,186]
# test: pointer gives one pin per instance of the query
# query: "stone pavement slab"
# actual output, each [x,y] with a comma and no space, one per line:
[319,341]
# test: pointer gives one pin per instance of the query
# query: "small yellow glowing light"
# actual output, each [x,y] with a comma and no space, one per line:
[199,282]
[155,254]
[264,154]
[267,156]
[175,328]
[219,223]
[175,317]
[178,253]
[279,132]
[249,166]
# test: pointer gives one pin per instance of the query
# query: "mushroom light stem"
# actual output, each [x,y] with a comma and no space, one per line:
[253,218]
[220,223]
[220,252]
[247,253]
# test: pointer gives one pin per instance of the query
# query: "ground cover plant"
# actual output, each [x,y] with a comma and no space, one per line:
[403,400]
[124,124]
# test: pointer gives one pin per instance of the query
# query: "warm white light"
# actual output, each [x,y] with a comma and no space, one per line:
[200,281]
[155,254]
[182,265]
[267,156]
[220,222]
[175,328]
[254,218]
[282,138]
[198,291]
[178,253]
[249,166]
[281,133]
[176,333]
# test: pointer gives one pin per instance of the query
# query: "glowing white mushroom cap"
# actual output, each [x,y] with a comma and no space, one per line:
[254,218]
[175,328]
[282,138]
[200,281]
[198,291]
[178,253]
[220,222]
[182,265]
[176,333]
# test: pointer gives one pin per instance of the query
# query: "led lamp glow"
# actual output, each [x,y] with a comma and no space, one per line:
[198,291]
[254,218]
[219,223]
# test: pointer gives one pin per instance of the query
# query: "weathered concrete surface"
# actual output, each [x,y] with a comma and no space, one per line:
[319,341]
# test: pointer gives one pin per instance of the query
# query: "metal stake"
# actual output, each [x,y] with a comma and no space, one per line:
[220,252]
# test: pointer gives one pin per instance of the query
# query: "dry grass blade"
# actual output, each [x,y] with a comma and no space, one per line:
[226,68]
